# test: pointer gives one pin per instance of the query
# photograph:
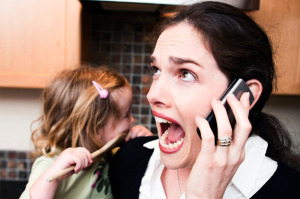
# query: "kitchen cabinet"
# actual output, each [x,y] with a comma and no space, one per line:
[37,39]
[281,20]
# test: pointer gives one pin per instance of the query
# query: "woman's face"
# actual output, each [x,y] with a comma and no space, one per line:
[116,126]
[185,80]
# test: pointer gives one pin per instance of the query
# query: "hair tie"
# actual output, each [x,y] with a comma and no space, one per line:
[102,92]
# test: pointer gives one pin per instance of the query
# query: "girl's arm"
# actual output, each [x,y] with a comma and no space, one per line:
[80,157]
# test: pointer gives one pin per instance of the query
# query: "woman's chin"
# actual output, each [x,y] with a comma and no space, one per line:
[179,157]
[172,160]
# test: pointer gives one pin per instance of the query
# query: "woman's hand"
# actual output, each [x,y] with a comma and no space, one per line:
[215,166]
[138,131]
[79,157]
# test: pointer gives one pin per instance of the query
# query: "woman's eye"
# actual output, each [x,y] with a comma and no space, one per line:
[155,71]
[187,75]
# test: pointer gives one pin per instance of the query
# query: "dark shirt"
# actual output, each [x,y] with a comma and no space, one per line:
[130,163]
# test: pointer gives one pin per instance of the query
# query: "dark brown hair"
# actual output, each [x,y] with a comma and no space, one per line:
[241,49]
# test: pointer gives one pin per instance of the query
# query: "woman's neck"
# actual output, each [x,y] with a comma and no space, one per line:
[174,182]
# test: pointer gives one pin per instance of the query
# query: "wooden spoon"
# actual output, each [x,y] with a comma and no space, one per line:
[108,146]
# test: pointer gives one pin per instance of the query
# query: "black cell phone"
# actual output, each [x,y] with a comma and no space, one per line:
[236,87]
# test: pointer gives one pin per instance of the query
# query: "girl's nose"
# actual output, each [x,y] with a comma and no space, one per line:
[131,120]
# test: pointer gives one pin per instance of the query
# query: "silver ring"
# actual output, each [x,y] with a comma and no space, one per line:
[226,141]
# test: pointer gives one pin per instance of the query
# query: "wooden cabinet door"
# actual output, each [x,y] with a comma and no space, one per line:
[37,39]
[281,20]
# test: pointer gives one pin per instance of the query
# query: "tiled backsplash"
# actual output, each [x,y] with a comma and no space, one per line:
[121,42]
[15,165]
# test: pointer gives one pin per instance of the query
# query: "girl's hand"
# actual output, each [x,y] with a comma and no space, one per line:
[138,131]
[215,166]
[79,157]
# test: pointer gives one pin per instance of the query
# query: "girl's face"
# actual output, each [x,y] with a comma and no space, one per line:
[115,126]
[185,80]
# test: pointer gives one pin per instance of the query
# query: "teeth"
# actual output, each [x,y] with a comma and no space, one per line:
[171,146]
[162,141]
[161,120]
[164,136]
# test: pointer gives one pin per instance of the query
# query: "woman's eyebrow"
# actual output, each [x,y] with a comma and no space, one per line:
[179,61]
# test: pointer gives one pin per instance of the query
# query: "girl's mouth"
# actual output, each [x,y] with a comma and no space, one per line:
[172,135]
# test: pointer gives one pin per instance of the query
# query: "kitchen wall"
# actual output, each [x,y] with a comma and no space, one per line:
[124,44]
[287,110]
[18,108]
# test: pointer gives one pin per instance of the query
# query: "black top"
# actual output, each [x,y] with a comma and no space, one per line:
[129,165]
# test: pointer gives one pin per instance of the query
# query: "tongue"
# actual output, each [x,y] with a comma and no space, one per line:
[175,133]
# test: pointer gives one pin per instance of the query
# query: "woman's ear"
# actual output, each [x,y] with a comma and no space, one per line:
[256,89]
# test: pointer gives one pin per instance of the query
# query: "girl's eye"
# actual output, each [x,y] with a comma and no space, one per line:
[187,75]
[155,71]
[128,113]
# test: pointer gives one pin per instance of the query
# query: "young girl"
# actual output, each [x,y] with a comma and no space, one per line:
[83,109]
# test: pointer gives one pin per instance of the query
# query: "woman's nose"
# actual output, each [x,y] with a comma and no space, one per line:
[159,94]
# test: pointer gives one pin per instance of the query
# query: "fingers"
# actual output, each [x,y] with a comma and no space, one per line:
[243,126]
[79,157]
[138,131]
[83,159]
[207,137]
[224,127]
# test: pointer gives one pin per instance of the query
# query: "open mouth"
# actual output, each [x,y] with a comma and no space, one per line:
[172,135]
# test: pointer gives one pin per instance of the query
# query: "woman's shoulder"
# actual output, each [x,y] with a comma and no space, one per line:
[128,166]
[283,184]
[132,153]
[134,148]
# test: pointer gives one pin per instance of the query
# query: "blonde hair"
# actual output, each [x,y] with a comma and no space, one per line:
[73,111]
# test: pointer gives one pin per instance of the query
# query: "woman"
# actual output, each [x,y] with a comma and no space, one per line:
[197,54]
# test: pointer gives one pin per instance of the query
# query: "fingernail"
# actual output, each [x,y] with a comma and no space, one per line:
[215,101]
